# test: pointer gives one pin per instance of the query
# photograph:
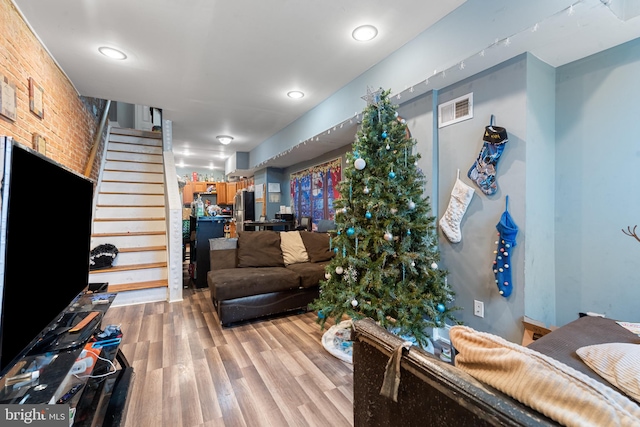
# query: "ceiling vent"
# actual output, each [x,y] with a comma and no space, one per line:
[456,110]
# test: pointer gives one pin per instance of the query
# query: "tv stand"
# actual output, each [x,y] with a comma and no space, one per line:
[64,359]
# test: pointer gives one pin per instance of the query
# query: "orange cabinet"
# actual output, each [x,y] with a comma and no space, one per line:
[187,193]
[232,187]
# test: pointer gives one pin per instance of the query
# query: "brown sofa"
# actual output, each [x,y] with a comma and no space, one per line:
[269,272]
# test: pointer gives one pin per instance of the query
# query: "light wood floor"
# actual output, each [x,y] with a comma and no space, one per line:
[189,371]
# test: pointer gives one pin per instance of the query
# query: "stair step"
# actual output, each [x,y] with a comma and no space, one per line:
[136,233]
[127,156]
[129,206]
[131,267]
[125,212]
[128,219]
[125,166]
[130,200]
[143,249]
[135,140]
[122,181]
[138,286]
[136,132]
[124,147]
[131,188]
[140,177]
[134,193]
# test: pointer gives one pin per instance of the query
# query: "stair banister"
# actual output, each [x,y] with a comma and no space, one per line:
[97,139]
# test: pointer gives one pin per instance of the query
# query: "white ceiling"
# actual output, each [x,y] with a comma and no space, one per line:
[224,67]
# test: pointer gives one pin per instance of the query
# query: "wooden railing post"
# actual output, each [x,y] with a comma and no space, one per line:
[96,140]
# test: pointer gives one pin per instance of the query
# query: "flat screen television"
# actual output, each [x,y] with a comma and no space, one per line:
[45,237]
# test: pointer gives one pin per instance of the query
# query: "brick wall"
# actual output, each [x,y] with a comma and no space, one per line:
[70,120]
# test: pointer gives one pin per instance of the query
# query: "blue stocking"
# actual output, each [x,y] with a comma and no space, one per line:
[507,232]
[484,169]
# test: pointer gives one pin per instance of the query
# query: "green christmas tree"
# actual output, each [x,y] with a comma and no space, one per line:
[386,257]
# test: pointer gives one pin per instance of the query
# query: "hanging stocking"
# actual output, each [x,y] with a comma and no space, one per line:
[461,196]
[507,231]
[483,171]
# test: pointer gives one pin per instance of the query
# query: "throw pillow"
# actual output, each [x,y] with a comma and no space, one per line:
[540,382]
[259,249]
[317,245]
[618,363]
[293,250]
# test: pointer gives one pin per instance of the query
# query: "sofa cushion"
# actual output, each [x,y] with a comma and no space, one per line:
[220,259]
[236,283]
[259,249]
[618,363]
[317,245]
[293,250]
[310,273]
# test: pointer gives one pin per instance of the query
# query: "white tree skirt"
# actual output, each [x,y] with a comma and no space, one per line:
[328,344]
[337,351]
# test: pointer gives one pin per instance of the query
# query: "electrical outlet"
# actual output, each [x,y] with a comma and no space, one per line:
[478,308]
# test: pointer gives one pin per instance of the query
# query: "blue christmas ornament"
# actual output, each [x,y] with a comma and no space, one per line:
[392,174]
[441,308]
[367,215]
[335,250]
[408,232]
[350,231]
[320,314]
[384,135]
[355,154]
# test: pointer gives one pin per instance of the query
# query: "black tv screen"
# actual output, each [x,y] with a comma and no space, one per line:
[45,240]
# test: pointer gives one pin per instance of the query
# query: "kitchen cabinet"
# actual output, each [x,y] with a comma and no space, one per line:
[232,187]
[198,187]
[222,193]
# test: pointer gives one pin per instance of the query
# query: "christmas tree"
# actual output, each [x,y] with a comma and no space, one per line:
[386,257]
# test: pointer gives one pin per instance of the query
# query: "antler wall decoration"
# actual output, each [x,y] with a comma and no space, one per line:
[631,232]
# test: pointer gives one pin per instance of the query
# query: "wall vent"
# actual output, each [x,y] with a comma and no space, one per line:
[456,110]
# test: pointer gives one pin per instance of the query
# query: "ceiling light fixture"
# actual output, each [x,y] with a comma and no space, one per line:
[112,53]
[364,33]
[224,139]
[295,94]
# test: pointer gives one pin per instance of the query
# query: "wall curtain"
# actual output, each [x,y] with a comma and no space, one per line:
[313,190]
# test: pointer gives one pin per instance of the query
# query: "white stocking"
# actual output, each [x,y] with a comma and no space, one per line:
[461,196]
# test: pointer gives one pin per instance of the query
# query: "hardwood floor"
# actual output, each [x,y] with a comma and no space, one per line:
[190,371]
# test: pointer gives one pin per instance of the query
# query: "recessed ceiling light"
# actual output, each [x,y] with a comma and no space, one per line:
[365,33]
[224,139]
[295,94]
[112,53]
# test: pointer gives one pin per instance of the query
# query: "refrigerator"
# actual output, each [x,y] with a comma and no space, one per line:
[244,207]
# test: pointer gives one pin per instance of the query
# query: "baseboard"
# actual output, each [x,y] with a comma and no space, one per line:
[140,297]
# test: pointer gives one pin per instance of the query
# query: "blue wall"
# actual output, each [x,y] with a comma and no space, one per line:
[571,169]
[597,184]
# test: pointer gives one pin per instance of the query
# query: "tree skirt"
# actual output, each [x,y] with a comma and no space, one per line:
[337,341]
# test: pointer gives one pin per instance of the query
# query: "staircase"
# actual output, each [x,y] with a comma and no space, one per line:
[130,212]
